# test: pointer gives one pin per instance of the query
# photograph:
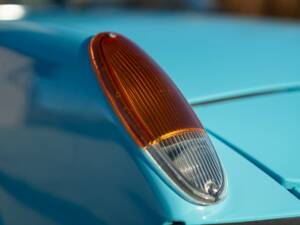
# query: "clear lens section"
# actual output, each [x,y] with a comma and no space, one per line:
[158,117]
[189,158]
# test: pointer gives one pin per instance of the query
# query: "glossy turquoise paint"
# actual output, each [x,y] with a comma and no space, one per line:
[265,128]
[251,195]
[246,93]
[296,192]
[63,157]
[204,55]
[79,165]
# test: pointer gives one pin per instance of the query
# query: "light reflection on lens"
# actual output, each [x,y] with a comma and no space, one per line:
[12,12]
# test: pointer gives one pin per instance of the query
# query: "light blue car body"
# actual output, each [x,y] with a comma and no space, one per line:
[65,158]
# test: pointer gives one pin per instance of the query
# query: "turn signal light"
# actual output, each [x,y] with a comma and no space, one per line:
[158,117]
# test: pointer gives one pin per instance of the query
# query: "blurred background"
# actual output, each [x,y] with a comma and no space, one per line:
[288,9]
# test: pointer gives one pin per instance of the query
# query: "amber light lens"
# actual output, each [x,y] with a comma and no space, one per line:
[140,91]
[157,115]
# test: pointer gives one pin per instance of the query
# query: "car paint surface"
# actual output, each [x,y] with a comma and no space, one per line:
[204,55]
[63,158]
[268,132]
[79,165]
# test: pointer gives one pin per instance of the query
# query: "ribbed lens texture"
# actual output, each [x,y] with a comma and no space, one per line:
[141,91]
[191,160]
[157,116]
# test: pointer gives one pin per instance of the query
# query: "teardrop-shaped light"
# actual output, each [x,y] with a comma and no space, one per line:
[158,117]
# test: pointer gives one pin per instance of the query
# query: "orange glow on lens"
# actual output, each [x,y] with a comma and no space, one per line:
[143,96]
[158,118]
